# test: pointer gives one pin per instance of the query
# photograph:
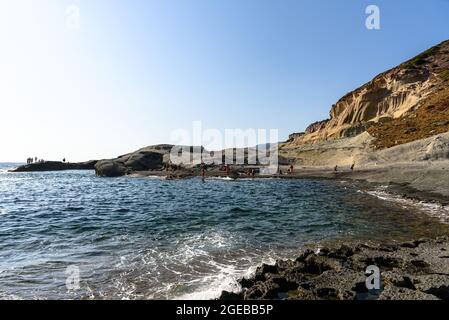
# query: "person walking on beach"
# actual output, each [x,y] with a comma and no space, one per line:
[352,167]
[336,168]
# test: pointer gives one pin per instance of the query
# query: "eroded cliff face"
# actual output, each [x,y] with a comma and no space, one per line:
[393,94]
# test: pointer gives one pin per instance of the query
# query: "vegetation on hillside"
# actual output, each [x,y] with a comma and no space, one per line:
[430,119]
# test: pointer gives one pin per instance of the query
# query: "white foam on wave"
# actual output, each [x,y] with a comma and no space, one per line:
[197,266]
[221,178]
[226,274]
[211,286]
[6,296]
[2,211]
[225,280]
[432,209]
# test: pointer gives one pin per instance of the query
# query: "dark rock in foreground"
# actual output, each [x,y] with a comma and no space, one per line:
[417,270]
[55,166]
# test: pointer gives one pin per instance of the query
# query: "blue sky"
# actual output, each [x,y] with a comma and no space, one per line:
[137,70]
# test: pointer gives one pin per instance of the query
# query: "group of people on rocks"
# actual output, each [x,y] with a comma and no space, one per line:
[250,172]
[31,160]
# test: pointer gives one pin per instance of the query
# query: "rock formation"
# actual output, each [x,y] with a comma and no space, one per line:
[415,270]
[145,159]
[395,94]
[316,126]
[55,166]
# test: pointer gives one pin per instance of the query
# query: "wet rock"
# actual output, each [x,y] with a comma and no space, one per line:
[294,277]
[318,264]
[246,283]
[304,255]
[226,295]
[264,269]
[417,270]
[285,264]
[262,290]
[285,284]
[343,252]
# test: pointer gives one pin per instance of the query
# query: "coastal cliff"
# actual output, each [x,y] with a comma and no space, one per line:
[400,95]
[402,115]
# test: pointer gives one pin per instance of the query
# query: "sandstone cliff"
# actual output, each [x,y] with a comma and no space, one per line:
[395,94]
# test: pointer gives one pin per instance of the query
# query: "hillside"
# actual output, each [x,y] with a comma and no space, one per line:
[406,103]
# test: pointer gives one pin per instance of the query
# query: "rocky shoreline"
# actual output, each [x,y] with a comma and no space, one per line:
[416,270]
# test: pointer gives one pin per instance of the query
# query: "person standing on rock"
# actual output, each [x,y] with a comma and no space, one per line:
[203,173]
[336,168]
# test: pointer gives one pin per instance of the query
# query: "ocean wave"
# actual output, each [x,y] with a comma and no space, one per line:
[432,209]
[221,178]
[7,296]
[198,267]
[226,279]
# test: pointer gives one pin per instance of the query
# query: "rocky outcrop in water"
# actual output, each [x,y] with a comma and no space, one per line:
[146,159]
[416,270]
[55,166]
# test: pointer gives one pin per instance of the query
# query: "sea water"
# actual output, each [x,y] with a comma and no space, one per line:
[72,235]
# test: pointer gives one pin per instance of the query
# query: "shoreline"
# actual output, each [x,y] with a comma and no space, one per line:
[413,270]
[422,181]
[414,181]
[418,269]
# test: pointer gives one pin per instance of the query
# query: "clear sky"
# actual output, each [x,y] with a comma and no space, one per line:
[136,70]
